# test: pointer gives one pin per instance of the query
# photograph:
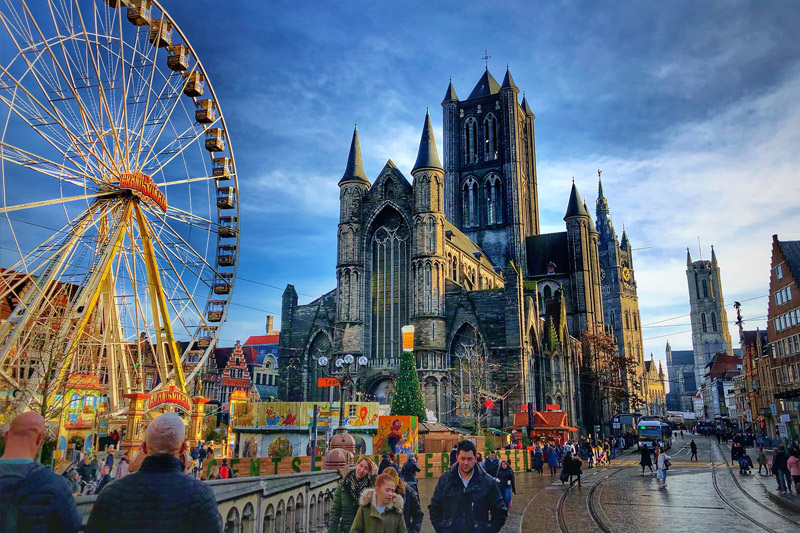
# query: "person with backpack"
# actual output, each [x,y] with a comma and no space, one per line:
[224,470]
[32,497]
[662,465]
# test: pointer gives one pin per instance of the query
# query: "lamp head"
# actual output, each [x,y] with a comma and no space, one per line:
[339,363]
[362,361]
[322,361]
[348,359]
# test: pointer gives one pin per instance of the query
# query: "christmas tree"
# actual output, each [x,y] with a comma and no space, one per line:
[407,398]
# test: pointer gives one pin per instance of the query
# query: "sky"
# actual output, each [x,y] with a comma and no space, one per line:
[689,108]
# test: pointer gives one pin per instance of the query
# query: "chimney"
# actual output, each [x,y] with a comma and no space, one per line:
[270,320]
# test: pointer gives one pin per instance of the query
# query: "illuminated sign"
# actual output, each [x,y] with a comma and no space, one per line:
[170,396]
[144,188]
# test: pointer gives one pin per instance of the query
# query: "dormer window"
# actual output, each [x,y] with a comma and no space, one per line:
[551,268]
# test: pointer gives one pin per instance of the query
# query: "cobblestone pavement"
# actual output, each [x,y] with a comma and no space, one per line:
[706,495]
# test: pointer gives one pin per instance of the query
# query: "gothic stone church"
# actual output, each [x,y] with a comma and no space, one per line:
[456,252]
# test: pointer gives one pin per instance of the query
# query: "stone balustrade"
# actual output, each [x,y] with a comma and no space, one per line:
[289,503]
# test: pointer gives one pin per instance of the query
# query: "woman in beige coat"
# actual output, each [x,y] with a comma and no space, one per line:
[380,510]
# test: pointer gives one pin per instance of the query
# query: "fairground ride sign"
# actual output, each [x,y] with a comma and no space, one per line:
[142,186]
[170,396]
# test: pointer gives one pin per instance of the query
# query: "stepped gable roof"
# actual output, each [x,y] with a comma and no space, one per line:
[791,250]
[427,156]
[450,95]
[486,86]
[355,167]
[544,248]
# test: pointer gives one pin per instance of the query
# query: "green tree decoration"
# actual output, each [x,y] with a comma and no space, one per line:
[407,399]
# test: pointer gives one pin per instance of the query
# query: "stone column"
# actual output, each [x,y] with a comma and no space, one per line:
[196,420]
[134,432]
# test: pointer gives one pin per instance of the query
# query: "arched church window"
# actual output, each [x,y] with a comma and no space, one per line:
[714,322]
[493,200]
[388,188]
[470,203]
[490,136]
[627,320]
[703,319]
[705,289]
[430,234]
[471,132]
[548,293]
[613,321]
[454,269]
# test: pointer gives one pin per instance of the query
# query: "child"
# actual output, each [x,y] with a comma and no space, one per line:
[380,509]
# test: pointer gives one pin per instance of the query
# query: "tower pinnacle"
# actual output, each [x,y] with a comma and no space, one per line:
[427,156]
[355,167]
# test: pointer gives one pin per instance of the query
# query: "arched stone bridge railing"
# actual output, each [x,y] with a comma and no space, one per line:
[290,503]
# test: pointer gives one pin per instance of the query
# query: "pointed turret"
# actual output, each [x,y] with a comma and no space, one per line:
[592,227]
[525,106]
[508,81]
[575,207]
[688,257]
[713,256]
[486,86]
[450,95]
[355,168]
[625,244]
[428,156]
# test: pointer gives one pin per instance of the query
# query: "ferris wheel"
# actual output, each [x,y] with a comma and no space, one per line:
[119,215]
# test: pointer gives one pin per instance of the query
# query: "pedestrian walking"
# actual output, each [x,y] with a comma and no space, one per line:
[538,461]
[224,470]
[385,463]
[453,454]
[159,496]
[32,497]
[780,469]
[552,461]
[645,461]
[110,461]
[122,467]
[762,460]
[347,495]
[94,468]
[572,468]
[505,481]
[693,448]
[380,510]
[408,472]
[491,465]
[105,479]
[793,464]
[412,510]
[466,499]
[662,465]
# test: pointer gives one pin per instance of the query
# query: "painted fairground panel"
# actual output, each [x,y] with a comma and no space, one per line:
[397,434]
[82,406]
[300,415]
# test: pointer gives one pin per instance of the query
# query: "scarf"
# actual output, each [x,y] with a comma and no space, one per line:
[354,486]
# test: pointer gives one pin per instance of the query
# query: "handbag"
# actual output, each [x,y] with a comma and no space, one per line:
[667,464]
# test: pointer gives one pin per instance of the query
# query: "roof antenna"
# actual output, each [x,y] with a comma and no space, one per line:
[699,248]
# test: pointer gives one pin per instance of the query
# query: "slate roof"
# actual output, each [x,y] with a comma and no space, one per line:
[682,357]
[355,167]
[428,156]
[791,250]
[462,242]
[541,249]
[450,95]
[575,206]
[525,106]
[508,81]
[486,86]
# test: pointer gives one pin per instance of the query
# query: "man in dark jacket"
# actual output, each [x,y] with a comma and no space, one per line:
[159,496]
[491,464]
[780,469]
[408,472]
[32,498]
[466,499]
[453,454]
[105,479]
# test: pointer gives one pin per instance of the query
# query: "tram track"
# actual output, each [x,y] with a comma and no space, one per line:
[562,525]
[749,496]
[733,508]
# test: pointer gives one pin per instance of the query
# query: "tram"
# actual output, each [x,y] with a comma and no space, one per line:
[652,433]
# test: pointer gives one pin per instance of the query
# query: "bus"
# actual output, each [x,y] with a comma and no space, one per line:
[653,433]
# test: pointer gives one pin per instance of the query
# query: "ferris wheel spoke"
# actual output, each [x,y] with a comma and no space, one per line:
[174,151]
[57,201]
[29,160]
[180,281]
[81,149]
[187,180]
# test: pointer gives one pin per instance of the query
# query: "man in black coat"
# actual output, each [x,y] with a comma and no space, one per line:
[33,498]
[466,499]
[159,496]
[491,465]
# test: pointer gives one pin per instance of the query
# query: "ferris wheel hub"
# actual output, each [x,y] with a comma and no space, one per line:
[143,187]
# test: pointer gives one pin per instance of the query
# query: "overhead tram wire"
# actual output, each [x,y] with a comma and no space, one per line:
[689,314]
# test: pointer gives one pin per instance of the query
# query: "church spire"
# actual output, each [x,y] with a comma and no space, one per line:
[592,227]
[355,167]
[574,206]
[428,156]
[450,95]
[525,106]
[688,257]
[508,81]
[713,256]
[625,244]
[602,201]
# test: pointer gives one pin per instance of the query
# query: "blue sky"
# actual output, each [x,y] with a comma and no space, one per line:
[690,109]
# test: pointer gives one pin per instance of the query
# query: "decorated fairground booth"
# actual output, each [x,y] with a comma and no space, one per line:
[84,404]
[547,426]
[284,429]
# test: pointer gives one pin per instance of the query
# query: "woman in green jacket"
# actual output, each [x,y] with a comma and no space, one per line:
[380,509]
[347,494]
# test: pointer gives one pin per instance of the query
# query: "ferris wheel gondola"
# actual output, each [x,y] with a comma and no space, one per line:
[119,216]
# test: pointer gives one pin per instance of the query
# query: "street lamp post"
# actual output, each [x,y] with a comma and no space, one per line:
[345,380]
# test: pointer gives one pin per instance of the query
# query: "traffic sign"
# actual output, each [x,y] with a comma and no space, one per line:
[327,382]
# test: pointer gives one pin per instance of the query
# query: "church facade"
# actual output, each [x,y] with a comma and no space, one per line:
[455,251]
